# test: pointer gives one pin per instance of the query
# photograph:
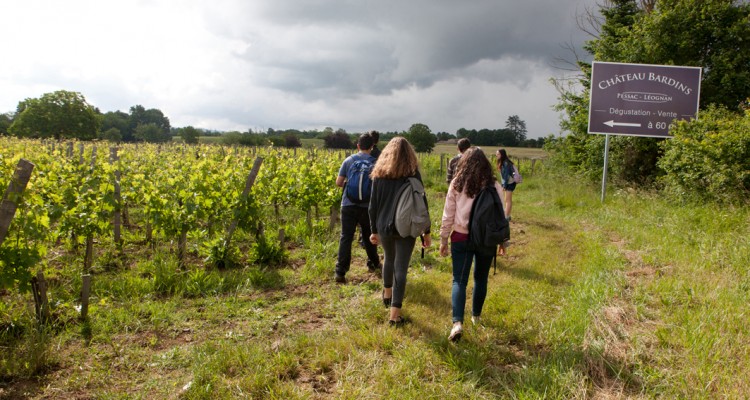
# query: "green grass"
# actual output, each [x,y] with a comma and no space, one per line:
[636,297]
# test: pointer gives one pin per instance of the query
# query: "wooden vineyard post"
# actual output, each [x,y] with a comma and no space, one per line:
[182,246]
[117,223]
[39,289]
[246,192]
[93,158]
[13,194]
[80,151]
[85,293]
[334,218]
[87,262]
[533,162]
[89,258]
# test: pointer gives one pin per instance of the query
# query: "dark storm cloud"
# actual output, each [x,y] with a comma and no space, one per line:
[356,64]
[326,48]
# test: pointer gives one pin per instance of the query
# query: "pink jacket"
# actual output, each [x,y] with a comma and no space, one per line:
[456,212]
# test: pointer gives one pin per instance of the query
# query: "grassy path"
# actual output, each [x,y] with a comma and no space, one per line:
[594,301]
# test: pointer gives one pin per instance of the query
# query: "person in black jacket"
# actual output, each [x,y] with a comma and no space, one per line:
[396,164]
[462,145]
[375,153]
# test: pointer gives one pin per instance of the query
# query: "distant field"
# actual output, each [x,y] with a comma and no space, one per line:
[312,143]
[513,152]
[209,139]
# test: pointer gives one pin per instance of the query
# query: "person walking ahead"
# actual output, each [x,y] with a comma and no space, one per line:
[462,145]
[505,166]
[353,213]
[474,173]
[396,164]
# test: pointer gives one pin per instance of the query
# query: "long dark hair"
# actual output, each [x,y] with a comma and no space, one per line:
[502,157]
[473,172]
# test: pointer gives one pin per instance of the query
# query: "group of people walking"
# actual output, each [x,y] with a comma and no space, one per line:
[468,173]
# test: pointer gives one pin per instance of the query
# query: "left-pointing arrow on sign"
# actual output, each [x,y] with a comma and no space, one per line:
[612,123]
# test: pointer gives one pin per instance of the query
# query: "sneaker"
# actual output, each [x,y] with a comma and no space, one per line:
[456,333]
[476,320]
[375,270]
[398,322]
[340,278]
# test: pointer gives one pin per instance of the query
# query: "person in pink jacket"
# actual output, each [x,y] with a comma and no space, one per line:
[474,172]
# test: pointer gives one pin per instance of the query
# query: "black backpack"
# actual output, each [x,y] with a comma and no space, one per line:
[488,227]
[358,182]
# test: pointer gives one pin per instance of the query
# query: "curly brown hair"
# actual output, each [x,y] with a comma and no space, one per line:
[397,160]
[473,172]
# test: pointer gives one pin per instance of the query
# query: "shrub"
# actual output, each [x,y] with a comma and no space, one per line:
[265,252]
[339,140]
[709,159]
[291,141]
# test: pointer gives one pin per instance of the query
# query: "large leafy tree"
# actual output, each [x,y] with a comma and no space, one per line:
[152,133]
[114,124]
[139,115]
[189,134]
[60,114]
[5,121]
[420,136]
[713,34]
[518,126]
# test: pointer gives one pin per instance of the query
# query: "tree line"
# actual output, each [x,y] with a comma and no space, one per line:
[67,115]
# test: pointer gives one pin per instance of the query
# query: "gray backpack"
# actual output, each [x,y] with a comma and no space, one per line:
[412,218]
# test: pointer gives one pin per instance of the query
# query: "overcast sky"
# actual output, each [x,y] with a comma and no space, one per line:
[302,64]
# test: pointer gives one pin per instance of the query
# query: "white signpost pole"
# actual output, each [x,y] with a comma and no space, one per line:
[606,162]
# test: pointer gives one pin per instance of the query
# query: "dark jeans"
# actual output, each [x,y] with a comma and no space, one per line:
[462,258]
[351,216]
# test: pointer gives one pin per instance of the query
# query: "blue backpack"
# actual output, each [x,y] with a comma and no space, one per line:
[358,182]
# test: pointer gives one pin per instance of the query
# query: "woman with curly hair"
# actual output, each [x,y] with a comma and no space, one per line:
[396,164]
[474,172]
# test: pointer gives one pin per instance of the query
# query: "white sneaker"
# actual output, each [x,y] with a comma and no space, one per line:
[456,333]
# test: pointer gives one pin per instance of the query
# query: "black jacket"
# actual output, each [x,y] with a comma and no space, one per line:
[383,199]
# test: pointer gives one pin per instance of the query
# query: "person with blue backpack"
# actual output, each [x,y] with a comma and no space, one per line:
[354,177]
[474,223]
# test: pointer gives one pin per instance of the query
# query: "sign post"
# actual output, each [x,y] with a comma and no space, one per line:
[640,100]
[606,162]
